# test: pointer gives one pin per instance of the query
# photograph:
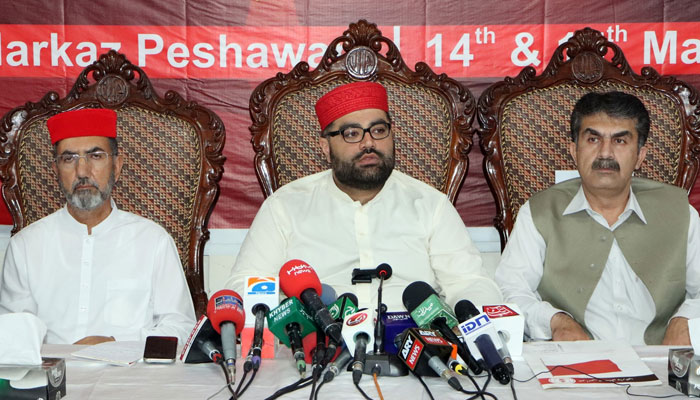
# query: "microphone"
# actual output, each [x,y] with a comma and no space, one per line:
[510,325]
[258,290]
[383,273]
[319,355]
[328,295]
[338,365]
[482,339]
[203,344]
[225,310]
[290,322]
[345,305]
[424,351]
[298,279]
[394,324]
[357,332]
[255,353]
[430,312]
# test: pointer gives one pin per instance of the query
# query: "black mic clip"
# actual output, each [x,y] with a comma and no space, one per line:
[382,271]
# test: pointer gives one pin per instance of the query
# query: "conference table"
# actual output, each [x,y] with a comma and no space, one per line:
[88,379]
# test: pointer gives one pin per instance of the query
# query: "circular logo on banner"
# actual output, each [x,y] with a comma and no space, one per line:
[356,319]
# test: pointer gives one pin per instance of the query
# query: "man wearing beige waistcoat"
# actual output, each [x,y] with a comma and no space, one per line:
[607,255]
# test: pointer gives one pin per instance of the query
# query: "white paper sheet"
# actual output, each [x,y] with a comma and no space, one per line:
[612,361]
[116,353]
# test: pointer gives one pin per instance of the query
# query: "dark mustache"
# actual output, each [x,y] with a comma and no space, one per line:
[84,181]
[368,151]
[606,163]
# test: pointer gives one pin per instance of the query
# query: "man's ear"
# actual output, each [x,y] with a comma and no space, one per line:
[54,167]
[572,152]
[325,148]
[118,164]
[641,156]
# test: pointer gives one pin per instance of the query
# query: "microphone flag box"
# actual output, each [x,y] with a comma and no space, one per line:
[684,371]
[341,308]
[46,381]
[394,324]
[419,346]
[290,311]
[431,308]
[194,352]
[361,322]
[260,289]
[510,325]
[265,290]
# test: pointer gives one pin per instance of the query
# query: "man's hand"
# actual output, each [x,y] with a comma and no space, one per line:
[564,328]
[677,333]
[95,340]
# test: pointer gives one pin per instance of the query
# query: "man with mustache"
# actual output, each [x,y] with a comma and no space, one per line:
[606,255]
[363,212]
[91,272]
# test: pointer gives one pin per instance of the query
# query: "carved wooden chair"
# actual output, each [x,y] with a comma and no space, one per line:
[172,166]
[524,121]
[431,114]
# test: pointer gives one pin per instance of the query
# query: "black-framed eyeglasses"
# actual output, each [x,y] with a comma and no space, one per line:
[355,134]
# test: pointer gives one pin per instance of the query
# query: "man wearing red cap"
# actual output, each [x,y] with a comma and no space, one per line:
[362,212]
[89,271]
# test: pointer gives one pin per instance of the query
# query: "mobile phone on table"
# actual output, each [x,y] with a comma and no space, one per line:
[160,349]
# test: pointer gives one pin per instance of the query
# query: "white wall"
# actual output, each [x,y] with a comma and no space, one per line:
[223,246]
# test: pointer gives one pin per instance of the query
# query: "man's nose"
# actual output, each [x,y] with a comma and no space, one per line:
[82,167]
[367,142]
[606,148]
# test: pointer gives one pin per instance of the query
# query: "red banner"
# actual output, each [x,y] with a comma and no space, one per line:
[255,53]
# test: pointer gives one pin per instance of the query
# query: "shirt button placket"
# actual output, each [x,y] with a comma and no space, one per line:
[85,282]
[362,236]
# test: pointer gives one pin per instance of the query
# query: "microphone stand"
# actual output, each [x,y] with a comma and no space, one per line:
[379,362]
[379,325]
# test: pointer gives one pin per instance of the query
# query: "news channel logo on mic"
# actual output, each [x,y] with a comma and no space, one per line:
[260,289]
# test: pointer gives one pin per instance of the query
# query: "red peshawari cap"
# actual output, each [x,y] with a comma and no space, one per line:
[85,122]
[348,98]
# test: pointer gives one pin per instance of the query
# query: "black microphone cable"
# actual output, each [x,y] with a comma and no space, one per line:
[318,389]
[316,371]
[422,382]
[229,384]
[334,368]
[468,374]
[362,392]
[247,367]
[481,391]
[240,392]
[301,383]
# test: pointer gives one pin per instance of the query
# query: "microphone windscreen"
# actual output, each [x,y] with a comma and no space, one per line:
[383,271]
[465,309]
[297,276]
[415,294]
[328,295]
[226,306]
[350,296]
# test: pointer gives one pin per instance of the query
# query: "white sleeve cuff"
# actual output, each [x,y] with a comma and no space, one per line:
[538,323]
[689,309]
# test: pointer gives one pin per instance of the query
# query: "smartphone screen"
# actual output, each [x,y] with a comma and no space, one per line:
[160,349]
